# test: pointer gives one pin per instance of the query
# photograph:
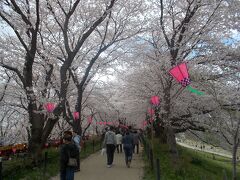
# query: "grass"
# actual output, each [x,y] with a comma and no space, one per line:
[191,165]
[21,168]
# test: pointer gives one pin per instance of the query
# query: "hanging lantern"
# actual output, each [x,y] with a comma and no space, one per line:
[180,73]
[76,115]
[109,123]
[151,120]
[123,126]
[151,111]
[145,123]
[49,107]
[89,119]
[155,100]
[14,150]
[100,123]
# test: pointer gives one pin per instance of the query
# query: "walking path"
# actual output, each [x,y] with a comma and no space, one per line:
[94,168]
[204,150]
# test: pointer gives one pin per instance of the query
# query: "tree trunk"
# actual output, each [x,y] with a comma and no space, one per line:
[35,141]
[171,140]
[161,134]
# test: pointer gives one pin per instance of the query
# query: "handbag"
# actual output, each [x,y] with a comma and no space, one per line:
[71,161]
[103,151]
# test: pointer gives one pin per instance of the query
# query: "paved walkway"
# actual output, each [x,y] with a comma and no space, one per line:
[94,168]
[205,150]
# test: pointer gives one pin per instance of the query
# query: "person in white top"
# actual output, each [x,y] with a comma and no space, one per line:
[119,142]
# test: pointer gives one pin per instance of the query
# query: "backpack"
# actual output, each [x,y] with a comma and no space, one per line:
[78,144]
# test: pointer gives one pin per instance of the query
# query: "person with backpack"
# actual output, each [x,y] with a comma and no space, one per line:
[128,147]
[77,141]
[110,144]
[68,157]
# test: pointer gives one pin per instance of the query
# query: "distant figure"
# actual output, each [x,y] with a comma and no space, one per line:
[67,150]
[119,142]
[128,148]
[136,141]
[77,141]
[110,144]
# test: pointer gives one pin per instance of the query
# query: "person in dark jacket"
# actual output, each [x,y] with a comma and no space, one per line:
[77,141]
[68,149]
[128,148]
[136,141]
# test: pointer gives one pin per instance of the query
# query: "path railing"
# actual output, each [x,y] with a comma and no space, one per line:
[12,167]
[154,165]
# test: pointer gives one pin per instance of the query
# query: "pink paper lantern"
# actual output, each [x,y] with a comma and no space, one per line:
[49,107]
[89,119]
[155,100]
[100,123]
[180,73]
[14,150]
[144,123]
[151,111]
[123,126]
[151,120]
[76,115]
[105,123]
[109,123]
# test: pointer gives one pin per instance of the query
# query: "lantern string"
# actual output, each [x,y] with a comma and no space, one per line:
[195,91]
[178,92]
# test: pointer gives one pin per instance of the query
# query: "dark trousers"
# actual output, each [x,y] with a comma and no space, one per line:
[110,153]
[67,174]
[119,148]
[136,145]
[78,161]
[128,150]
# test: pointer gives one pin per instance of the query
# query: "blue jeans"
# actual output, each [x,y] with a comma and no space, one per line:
[128,149]
[67,174]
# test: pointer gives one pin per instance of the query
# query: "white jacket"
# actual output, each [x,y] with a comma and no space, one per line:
[119,138]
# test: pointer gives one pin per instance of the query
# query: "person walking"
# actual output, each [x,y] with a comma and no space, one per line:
[128,148]
[77,141]
[119,142]
[68,150]
[136,141]
[110,144]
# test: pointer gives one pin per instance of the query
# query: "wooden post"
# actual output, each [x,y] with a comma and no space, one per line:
[158,169]
[45,162]
[151,158]
[1,178]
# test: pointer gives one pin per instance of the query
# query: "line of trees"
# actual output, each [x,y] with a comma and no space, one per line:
[57,51]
